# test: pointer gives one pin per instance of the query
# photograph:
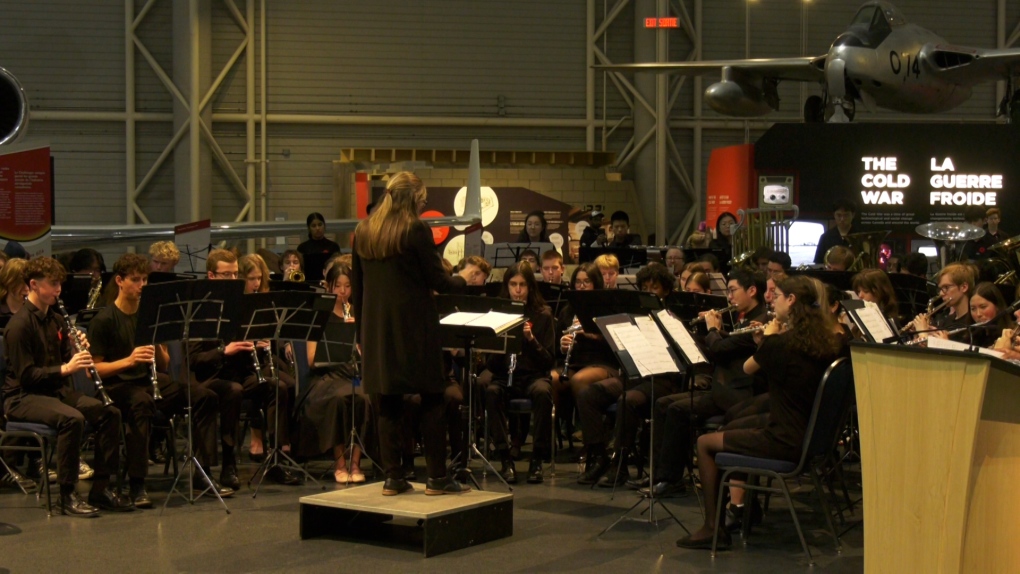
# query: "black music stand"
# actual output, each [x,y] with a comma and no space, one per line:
[186,311]
[287,316]
[630,353]
[469,338]
[686,305]
[636,256]
[553,295]
[506,254]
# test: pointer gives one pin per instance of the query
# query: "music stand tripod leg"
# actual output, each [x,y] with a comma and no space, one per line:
[471,422]
[275,452]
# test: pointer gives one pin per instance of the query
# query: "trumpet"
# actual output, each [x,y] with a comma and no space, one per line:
[73,333]
[294,275]
[701,319]
[754,328]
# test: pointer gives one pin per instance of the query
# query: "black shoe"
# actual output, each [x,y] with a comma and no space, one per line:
[665,489]
[535,475]
[224,491]
[614,478]
[107,499]
[260,457]
[735,516]
[638,483]
[394,486]
[509,471]
[725,541]
[228,478]
[15,479]
[445,485]
[515,452]
[71,504]
[594,468]
[139,497]
[281,475]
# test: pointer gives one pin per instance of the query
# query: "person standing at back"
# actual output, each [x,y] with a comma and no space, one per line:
[317,250]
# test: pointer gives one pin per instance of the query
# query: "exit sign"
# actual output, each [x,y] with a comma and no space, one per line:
[662,23]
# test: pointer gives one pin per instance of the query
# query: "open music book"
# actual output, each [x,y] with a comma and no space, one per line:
[494,320]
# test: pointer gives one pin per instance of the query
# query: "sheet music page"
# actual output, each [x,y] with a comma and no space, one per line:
[939,343]
[651,331]
[494,320]
[649,360]
[874,323]
[681,336]
[459,318]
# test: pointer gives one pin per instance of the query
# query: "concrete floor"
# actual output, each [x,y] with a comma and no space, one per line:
[556,527]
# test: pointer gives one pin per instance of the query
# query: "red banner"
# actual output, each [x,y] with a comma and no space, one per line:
[26,195]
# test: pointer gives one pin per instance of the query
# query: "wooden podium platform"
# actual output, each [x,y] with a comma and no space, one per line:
[940,457]
[433,524]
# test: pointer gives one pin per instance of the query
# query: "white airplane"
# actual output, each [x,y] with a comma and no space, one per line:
[881,60]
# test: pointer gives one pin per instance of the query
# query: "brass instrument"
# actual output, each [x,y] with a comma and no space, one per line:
[754,328]
[74,333]
[931,310]
[95,291]
[760,227]
[701,319]
[1009,252]
[866,248]
[294,275]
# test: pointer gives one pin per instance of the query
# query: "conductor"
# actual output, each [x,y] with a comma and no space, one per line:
[395,270]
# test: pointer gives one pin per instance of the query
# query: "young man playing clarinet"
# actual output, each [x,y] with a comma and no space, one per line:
[38,389]
[128,373]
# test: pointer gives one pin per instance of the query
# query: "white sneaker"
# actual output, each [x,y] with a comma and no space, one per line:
[85,471]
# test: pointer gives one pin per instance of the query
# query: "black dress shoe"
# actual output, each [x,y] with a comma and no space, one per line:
[139,497]
[725,541]
[395,486]
[110,500]
[509,471]
[72,504]
[595,467]
[614,478]
[535,475]
[735,516]
[445,485]
[228,478]
[281,475]
[638,483]
[200,485]
[665,489]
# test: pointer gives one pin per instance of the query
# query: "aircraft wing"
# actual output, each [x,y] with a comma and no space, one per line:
[971,66]
[806,69]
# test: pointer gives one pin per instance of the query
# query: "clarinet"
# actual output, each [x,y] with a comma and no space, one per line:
[566,361]
[258,367]
[73,332]
[154,378]
[510,371]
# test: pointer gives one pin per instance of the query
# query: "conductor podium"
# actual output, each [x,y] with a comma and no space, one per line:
[940,452]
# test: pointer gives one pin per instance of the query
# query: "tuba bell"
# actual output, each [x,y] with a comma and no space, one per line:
[13,108]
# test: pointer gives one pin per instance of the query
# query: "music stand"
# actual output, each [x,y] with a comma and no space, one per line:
[74,291]
[635,256]
[186,311]
[553,295]
[286,316]
[470,337]
[506,254]
[643,352]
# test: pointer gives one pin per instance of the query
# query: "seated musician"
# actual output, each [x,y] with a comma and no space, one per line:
[552,267]
[654,278]
[529,371]
[163,257]
[675,261]
[227,369]
[530,257]
[986,303]
[685,275]
[839,258]
[609,267]
[324,412]
[619,224]
[698,282]
[127,372]
[873,285]
[955,283]
[475,267]
[292,263]
[915,264]
[730,384]
[38,389]
[778,266]
[796,349]
[13,287]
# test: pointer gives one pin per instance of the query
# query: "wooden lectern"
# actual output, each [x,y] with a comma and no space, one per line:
[940,459]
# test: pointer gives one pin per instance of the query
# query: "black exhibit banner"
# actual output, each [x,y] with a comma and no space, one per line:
[898,175]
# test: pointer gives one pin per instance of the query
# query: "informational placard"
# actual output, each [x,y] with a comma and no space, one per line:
[26,198]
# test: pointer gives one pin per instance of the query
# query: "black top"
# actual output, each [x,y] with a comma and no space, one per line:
[830,239]
[316,252]
[208,360]
[793,380]
[112,337]
[536,357]
[397,317]
[36,347]
[589,348]
[727,353]
[625,241]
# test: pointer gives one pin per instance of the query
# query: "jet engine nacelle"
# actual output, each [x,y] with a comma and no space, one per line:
[735,96]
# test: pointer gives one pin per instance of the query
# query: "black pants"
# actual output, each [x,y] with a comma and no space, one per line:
[637,406]
[228,400]
[539,391]
[137,407]
[592,402]
[204,406]
[433,428]
[68,413]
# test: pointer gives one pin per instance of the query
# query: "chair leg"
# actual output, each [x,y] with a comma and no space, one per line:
[826,509]
[553,447]
[796,522]
[718,510]
[45,478]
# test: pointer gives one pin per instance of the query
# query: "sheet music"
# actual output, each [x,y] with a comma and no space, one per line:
[939,343]
[648,359]
[494,320]
[681,336]
[651,332]
[874,323]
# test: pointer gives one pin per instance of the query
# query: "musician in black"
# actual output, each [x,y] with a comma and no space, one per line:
[38,389]
[843,213]
[552,267]
[530,373]
[228,370]
[730,384]
[127,372]
[955,284]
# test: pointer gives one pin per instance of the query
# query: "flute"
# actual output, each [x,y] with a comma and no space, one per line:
[754,328]
[74,332]
[701,319]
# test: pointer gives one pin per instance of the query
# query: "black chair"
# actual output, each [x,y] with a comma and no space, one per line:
[832,402]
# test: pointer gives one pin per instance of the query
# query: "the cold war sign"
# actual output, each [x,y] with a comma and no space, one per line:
[899,176]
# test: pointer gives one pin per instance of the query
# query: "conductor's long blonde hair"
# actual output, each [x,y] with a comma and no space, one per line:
[382,234]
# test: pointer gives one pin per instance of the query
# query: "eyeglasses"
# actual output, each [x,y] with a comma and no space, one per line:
[583,282]
[226,274]
[943,289]
[734,290]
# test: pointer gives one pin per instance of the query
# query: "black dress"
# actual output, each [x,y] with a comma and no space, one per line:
[316,252]
[793,380]
[398,321]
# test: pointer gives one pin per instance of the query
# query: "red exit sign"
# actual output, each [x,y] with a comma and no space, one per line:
[662,23]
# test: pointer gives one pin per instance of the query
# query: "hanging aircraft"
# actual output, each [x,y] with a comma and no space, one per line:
[881,60]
